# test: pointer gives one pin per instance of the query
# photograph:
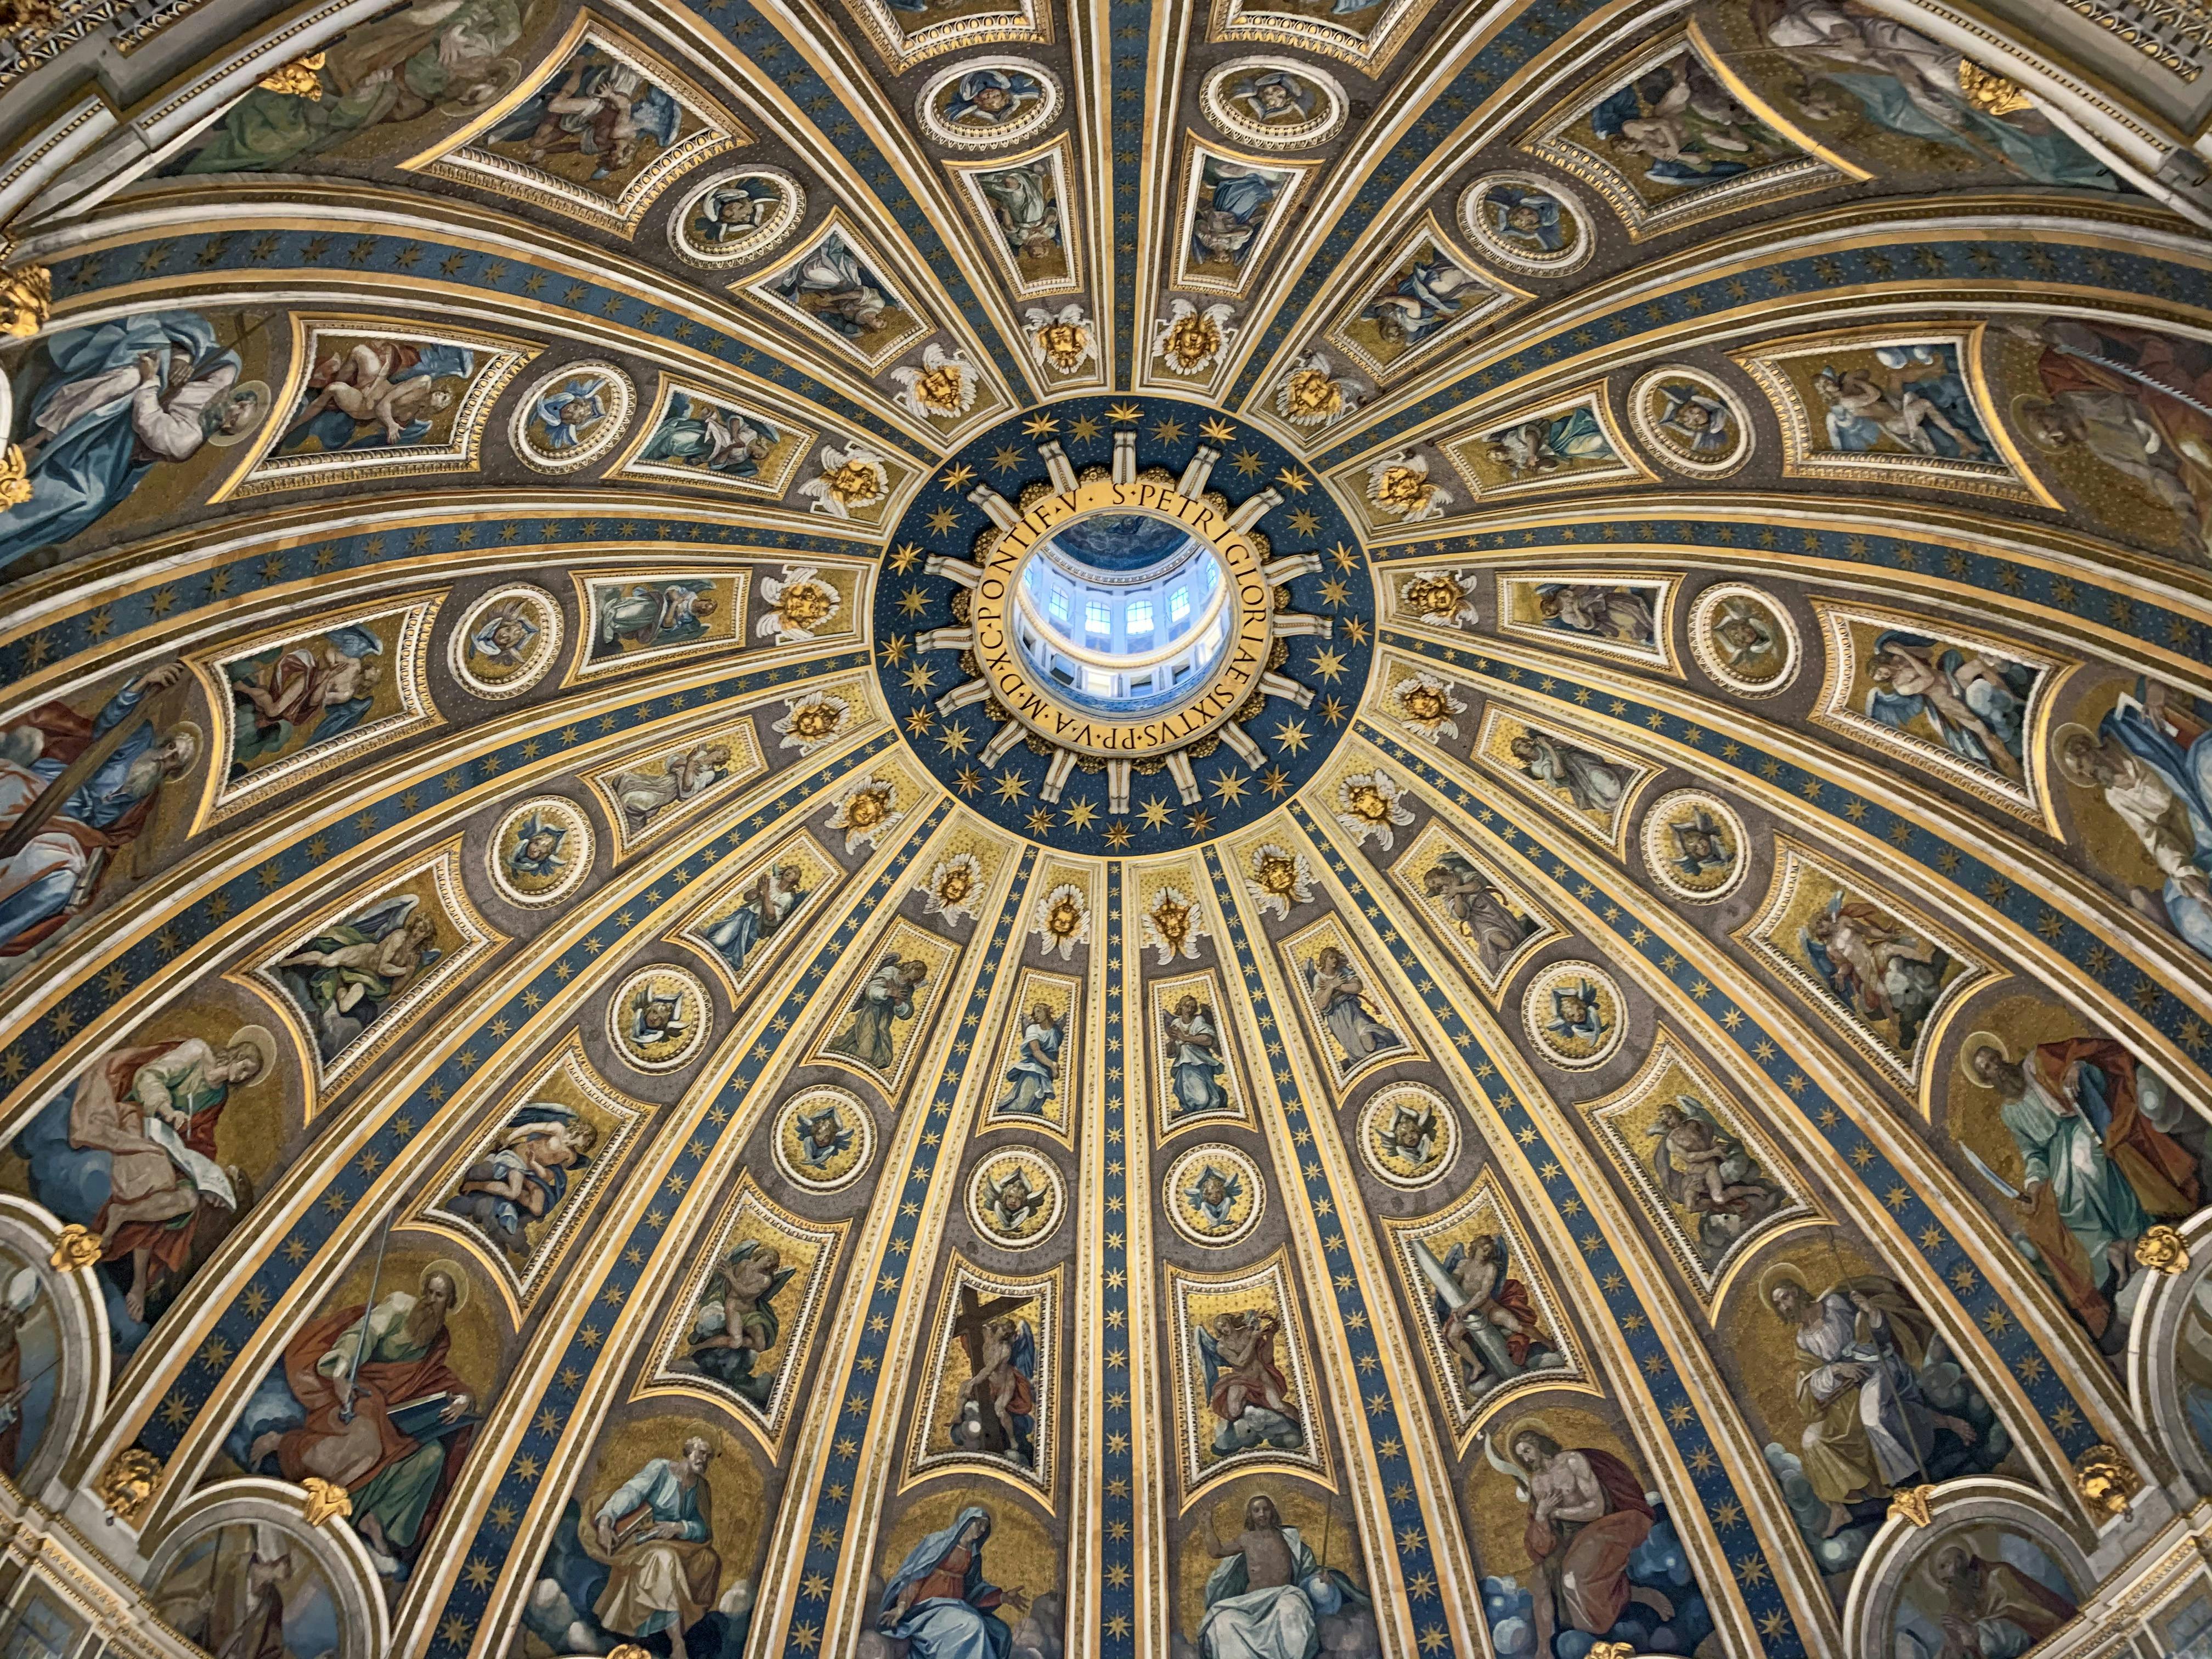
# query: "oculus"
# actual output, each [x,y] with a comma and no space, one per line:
[1693,846]
[987,103]
[1573,1012]
[1691,421]
[1745,639]
[1526,223]
[824,1140]
[1016,1198]
[1408,1136]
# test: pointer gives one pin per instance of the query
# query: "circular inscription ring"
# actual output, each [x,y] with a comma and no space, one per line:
[1025,695]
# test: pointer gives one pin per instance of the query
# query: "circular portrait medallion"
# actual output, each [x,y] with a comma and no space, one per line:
[571,417]
[1015,1198]
[1571,1011]
[733,217]
[660,1018]
[1691,421]
[505,641]
[1693,846]
[1408,1134]
[987,103]
[823,1139]
[1526,223]
[1744,639]
[1274,103]
[1213,1194]
[541,851]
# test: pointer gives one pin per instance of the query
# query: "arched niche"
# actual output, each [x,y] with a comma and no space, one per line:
[55,1353]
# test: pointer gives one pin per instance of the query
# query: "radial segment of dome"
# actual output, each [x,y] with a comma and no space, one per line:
[1015,829]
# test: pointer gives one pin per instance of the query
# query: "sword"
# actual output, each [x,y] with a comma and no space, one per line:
[368,1323]
[1992,1176]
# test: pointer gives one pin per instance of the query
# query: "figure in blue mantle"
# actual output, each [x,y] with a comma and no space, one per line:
[939,1603]
[101,406]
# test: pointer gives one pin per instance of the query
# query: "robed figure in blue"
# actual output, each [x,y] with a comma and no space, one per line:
[939,1603]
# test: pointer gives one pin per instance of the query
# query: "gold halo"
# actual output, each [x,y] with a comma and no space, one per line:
[1535,1422]
[1976,1041]
[1785,1272]
[454,1276]
[263,1042]
[2058,741]
[262,411]
[2022,401]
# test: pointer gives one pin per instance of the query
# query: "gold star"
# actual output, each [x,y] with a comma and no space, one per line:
[1355,630]
[1334,593]
[1005,458]
[1305,520]
[1328,665]
[1345,557]
[914,602]
[1293,480]
[1040,821]
[1230,787]
[905,559]
[894,650]
[1040,426]
[1292,735]
[1117,836]
[1200,823]
[1247,462]
[1085,426]
[1275,780]
[1333,711]
[1169,432]
[1125,412]
[942,518]
[920,677]
[969,779]
[1155,813]
[1218,431]
[918,721]
[1080,814]
[954,739]
[1011,785]
[959,477]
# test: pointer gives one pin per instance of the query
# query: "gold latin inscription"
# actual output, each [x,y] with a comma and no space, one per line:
[1243,658]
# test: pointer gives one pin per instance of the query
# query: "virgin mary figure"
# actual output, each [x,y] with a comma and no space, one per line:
[939,1603]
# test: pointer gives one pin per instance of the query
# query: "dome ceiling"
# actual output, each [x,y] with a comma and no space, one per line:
[596,1054]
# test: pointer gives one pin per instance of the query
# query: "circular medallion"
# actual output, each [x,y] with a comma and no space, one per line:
[1408,1134]
[1526,222]
[540,852]
[1274,103]
[1690,421]
[824,1139]
[660,1018]
[1571,1011]
[1745,639]
[987,103]
[1693,846]
[506,641]
[1213,1194]
[1124,582]
[572,416]
[1015,1198]
[733,217]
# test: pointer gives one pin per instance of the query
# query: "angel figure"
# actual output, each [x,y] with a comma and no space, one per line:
[1479,907]
[346,975]
[1710,1174]
[1879,968]
[1214,1195]
[821,1136]
[1012,1201]
[1576,1015]
[682,777]
[569,412]
[735,1322]
[332,681]
[1410,1134]
[997,1408]
[1700,845]
[1700,422]
[1346,1009]
[656,1016]
[520,1179]
[504,635]
[1973,702]
[599,109]
[1487,1317]
[1245,1387]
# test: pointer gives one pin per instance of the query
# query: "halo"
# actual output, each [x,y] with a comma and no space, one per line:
[199,737]
[505,72]
[222,439]
[2016,409]
[1976,1041]
[1785,1272]
[454,1276]
[263,1042]
[1535,1423]
[2059,742]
